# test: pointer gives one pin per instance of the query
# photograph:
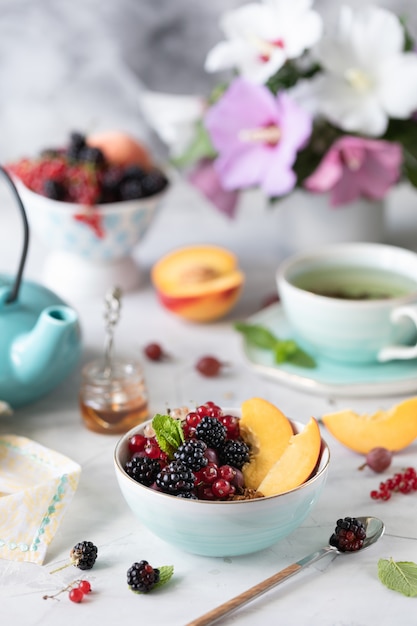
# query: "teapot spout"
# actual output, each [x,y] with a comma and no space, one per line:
[50,349]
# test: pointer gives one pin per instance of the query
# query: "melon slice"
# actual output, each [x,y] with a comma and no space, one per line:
[296,463]
[393,429]
[267,430]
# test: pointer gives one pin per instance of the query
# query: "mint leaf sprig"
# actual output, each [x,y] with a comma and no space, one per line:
[282,349]
[168,433]
[399,576]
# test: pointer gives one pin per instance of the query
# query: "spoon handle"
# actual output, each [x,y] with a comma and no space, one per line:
[243,598]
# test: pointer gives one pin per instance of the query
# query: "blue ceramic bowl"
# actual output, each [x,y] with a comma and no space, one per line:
[224,528]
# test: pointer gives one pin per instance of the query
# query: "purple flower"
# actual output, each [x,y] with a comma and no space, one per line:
[356,167]
[204,177]
[257,136]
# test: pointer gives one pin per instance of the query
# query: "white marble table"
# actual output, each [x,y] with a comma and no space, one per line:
[343,592]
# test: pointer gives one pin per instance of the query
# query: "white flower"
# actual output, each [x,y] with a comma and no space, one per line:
[367,77]
[173,117]
[261,37]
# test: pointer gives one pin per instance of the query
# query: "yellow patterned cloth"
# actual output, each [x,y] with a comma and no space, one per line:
[36,486]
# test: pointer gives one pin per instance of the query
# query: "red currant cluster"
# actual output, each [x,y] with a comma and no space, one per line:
[76,591]
[218,482]
[402,482]
[141,446]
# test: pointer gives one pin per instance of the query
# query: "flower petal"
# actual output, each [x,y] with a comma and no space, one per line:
[398,90]
[204,177]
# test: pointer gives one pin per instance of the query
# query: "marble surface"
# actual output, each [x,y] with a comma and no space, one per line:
[342,592]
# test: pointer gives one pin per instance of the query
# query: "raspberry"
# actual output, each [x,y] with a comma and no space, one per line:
[175,478]
[143,469]
[142,577]
[349,535]
[84,554]
[191,453]
[234,453]
[211,431]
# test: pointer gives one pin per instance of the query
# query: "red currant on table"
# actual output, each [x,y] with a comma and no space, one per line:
[154,352]
[209,366]
[402,482]
[76,595]
[85,586]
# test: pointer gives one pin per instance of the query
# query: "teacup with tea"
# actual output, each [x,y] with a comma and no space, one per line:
[352,302]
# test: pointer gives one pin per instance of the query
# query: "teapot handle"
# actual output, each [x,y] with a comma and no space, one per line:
[15,289]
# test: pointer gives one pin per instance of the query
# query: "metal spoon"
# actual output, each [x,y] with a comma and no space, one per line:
[374,530]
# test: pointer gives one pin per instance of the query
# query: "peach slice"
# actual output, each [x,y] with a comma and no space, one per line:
[266,429]
[199,283]
[394,429]
[296,463]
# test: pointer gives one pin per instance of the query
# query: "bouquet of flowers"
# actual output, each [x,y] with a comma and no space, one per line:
[334,113]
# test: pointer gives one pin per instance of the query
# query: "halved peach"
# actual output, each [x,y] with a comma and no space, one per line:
[119,148]
[200,283]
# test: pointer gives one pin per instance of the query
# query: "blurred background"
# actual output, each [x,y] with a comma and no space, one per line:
[81,64]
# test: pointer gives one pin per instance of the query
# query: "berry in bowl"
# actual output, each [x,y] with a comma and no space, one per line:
[222,482]
[91,202]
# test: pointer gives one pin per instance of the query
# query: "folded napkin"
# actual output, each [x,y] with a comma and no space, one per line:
[36,486]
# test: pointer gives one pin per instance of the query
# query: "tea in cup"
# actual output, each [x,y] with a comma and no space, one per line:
[352,302]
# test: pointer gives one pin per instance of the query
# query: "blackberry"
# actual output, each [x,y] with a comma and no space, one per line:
[84,554]
[110,185]
[142,577]
[189,495]
[154,182]
[349,535]
[211,431]
[134,171]
[54,190]
[175,478]
[143,469]
[234,452]
[90,154]
[131,189]
[76,144]
[191,453]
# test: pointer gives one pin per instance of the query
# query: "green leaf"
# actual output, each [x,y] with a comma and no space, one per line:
[257,335]
[283,350]
[302,359]
[165,574]
[168,432]
[399,576]
[199,148]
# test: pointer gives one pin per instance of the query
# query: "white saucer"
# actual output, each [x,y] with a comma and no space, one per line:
[328,377]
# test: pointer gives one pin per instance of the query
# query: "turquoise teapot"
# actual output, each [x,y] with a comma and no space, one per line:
[40,337]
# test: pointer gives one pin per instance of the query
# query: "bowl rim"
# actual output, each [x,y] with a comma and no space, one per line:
[148,202]
[325,450]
